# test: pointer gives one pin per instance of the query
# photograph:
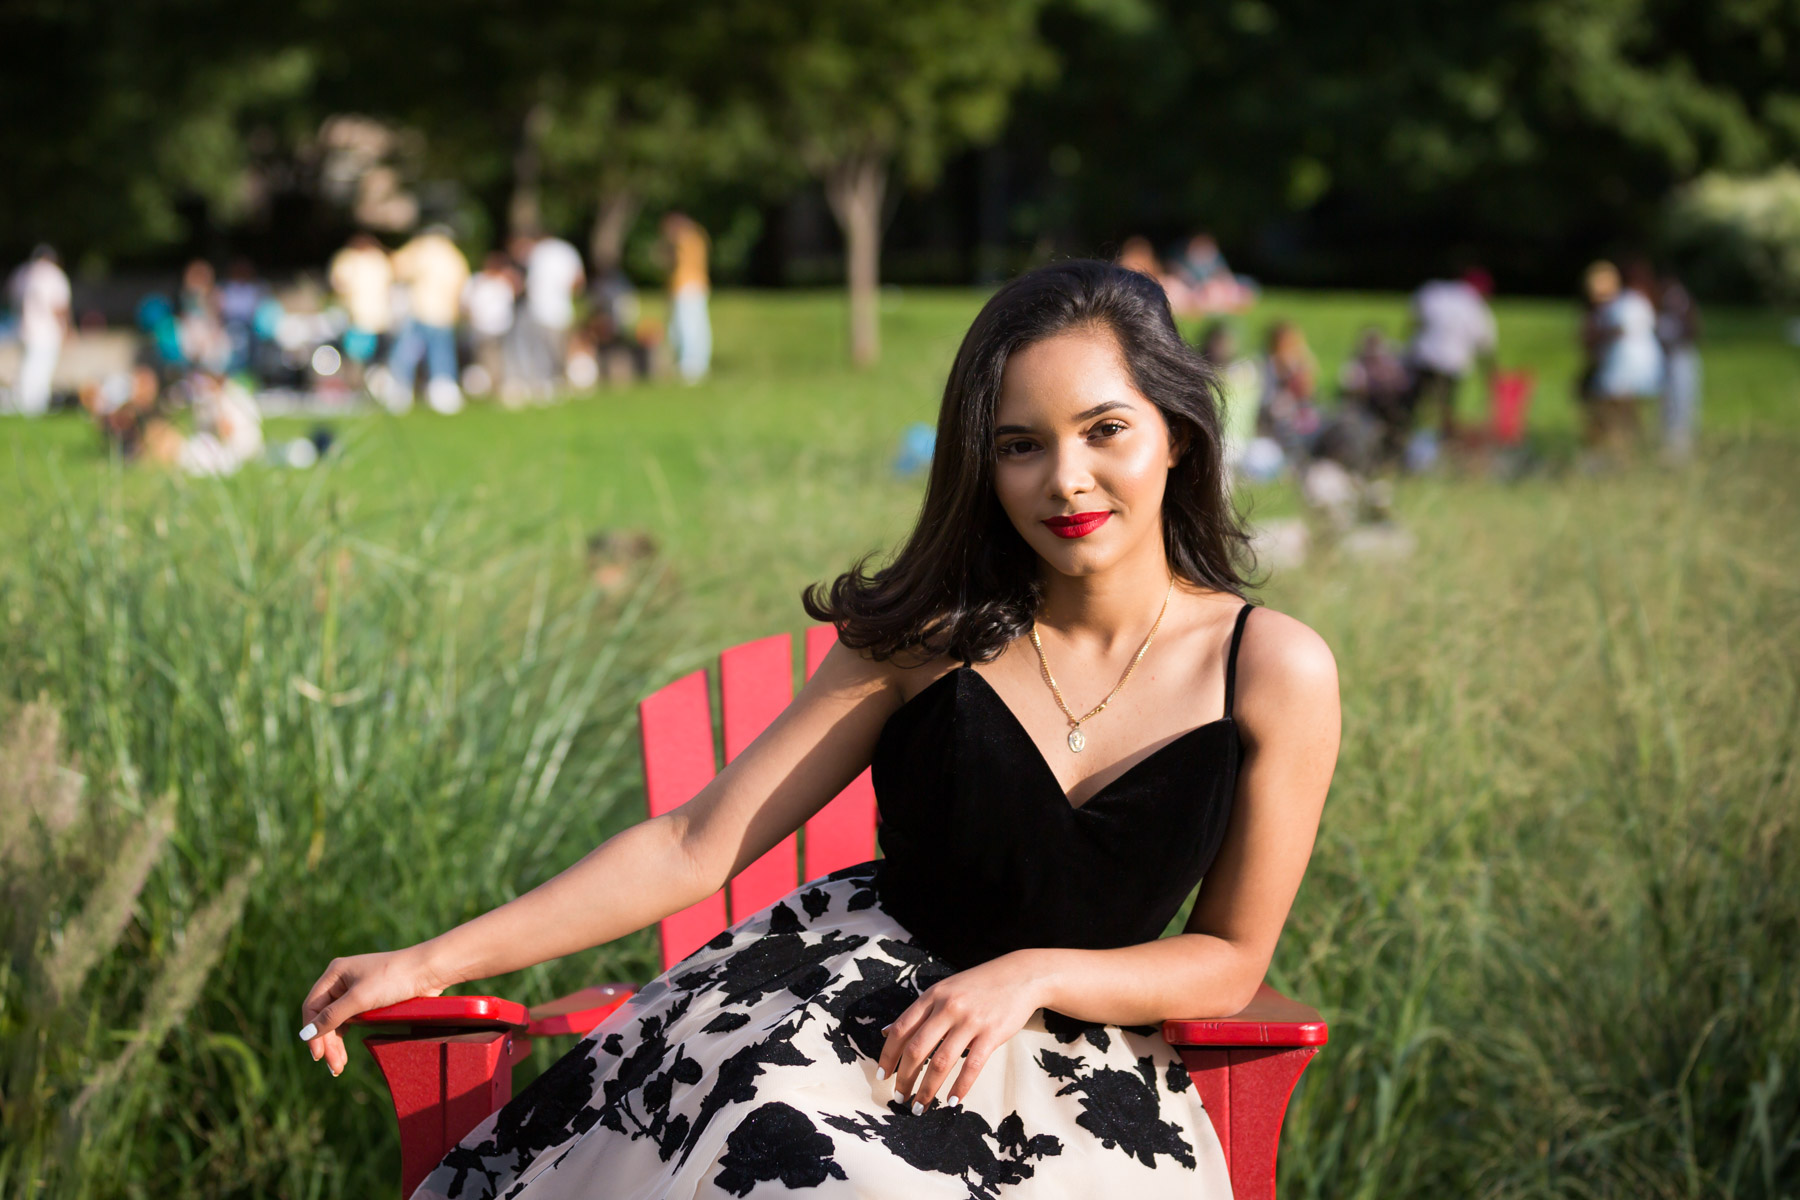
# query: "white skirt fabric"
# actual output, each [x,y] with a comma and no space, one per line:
[748,1070]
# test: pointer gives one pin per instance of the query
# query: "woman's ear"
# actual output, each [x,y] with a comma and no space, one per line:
[1178,444]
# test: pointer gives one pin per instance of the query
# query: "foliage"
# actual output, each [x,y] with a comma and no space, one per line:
[1741,234]
[117,115]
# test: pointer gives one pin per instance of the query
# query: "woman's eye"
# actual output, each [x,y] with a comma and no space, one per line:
[1108,428]
[1012,449]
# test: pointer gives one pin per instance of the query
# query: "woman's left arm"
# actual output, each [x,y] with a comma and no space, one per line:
[1288,720]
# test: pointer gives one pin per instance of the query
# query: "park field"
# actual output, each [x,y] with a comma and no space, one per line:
[1553,915]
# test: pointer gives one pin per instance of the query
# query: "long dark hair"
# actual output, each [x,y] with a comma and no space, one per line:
[966,584]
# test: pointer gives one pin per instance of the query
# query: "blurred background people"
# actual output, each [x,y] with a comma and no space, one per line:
[204,343]
[1290,378]
[690,327]
[554,277]
[40,291]
[1138,255]
[434,273]
[1240,391]
[239,297]
[1201,281]
[1453,332]
[1375,381]
[1627,357]
[1678,329]
[363,278]
[489,300]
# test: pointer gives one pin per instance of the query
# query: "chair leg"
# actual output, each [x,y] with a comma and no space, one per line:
[442,1087]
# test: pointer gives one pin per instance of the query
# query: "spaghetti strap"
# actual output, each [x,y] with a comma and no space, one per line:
[1237,636]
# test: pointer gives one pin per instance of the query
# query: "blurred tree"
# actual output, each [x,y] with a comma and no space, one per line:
[1368,142]
[116,115]
[855,88]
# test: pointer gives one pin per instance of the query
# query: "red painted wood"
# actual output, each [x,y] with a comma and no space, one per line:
[842,833]
[465,1011]
[756,681]
[413,1068]
[1211,1072]
[580,1011]
[477,1080]
[1271,1019]
[442,1087]
[675,728]
[1262,1079]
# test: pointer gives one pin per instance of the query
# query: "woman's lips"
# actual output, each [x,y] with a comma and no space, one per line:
[1077,525]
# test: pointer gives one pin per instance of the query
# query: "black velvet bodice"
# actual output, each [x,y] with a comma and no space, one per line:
[984,854]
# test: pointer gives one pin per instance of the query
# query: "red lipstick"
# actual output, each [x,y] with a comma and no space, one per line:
[1077,524]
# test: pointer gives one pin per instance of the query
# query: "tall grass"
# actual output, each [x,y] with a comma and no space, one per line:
[1555,909]
[358,741]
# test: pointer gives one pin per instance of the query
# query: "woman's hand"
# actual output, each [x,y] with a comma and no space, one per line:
[355,985]
[972,1013]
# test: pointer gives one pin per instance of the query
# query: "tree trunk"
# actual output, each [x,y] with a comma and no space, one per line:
[606,242]
[524,213]
[855,188]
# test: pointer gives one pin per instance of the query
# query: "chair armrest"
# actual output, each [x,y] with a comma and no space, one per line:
[1271,1019]
[460,1012]
[578,1012]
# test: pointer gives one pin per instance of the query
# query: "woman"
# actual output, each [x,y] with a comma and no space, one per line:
[1070,721]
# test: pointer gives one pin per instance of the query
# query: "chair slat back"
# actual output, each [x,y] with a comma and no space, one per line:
[675,723]
[842,833]
[756,681]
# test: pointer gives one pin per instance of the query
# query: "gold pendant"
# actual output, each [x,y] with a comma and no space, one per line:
[1076,739]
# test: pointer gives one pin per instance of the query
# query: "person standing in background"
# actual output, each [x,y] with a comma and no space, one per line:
[1678,329]
[434,272]
[41,291]
[489,301]
[1453,330]
[1629,362]
[690,327]
[363,279]
[239,297]
[554,276]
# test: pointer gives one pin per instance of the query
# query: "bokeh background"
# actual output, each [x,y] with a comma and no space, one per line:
[374,671]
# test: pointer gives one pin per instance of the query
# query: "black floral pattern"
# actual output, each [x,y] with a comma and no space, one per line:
[955,1141]
[750,1067]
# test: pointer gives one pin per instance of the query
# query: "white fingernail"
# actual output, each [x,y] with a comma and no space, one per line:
[309,1033]
[880,1072]
[918,1109]
[956,1102]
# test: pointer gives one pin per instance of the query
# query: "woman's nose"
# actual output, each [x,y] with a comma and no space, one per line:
[1070,472]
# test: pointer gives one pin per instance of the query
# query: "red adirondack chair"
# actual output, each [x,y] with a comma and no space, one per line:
[448,1060]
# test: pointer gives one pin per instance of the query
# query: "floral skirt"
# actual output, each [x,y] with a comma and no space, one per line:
[749,1070]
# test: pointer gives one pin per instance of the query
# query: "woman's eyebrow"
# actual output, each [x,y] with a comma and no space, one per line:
[1087,414]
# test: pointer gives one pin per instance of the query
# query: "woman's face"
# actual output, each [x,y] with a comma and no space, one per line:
[1081,456]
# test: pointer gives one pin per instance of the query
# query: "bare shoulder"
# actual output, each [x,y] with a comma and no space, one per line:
[854,671]
[1285,672]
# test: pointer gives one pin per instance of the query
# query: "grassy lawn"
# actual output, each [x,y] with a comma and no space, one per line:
[1552,916]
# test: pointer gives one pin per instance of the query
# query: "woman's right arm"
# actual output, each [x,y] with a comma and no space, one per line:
[808,754]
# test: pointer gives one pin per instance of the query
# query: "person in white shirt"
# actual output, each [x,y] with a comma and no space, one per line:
[554,276]
[488,302]
[1453,331]
[41,291]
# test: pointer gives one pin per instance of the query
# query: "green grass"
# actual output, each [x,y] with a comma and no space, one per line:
[1553,915]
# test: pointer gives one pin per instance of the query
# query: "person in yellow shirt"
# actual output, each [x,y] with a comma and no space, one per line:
[690,328]
[434,273]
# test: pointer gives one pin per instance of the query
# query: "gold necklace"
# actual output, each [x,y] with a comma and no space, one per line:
[1078,740]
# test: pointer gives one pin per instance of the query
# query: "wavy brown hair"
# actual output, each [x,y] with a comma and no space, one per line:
[966,584]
